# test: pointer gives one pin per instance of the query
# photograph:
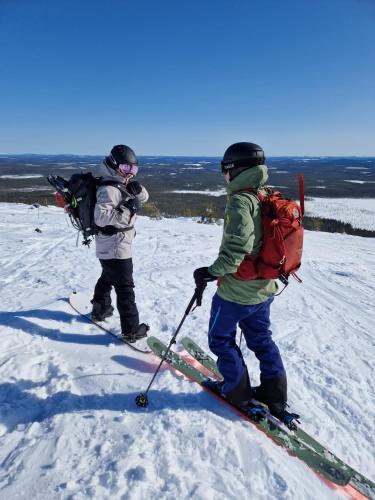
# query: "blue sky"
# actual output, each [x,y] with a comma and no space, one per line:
[187,77]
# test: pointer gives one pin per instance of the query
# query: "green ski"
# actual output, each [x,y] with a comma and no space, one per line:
[200,355]
[332,470]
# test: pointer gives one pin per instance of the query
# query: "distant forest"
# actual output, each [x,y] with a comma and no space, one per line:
[23,180]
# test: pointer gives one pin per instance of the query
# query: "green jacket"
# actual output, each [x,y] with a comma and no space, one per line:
[242,235]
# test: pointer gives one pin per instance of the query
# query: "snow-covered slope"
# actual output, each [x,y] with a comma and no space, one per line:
[359,212]
[69,427]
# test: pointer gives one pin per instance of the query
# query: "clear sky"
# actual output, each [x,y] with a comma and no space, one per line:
[187,77]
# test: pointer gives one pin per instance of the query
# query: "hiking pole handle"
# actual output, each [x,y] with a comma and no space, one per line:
[192,301]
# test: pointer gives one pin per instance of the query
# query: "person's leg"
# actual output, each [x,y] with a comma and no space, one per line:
[102,294]
[124,287]
[222,342]
[258,336]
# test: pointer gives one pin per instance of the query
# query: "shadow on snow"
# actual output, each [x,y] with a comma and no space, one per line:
[18,406]
[21,407]
[22,320]
[140,365]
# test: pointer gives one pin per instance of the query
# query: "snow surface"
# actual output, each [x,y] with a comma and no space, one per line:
[69,428]
[207,192]
[359,212]
[361,182]
[27,176]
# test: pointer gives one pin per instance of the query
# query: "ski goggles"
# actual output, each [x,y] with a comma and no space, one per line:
[126,170]
[225,167]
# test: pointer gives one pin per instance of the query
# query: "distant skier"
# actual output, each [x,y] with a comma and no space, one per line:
[243,301]
[115,214]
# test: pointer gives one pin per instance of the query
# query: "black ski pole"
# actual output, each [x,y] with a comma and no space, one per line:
[142,399]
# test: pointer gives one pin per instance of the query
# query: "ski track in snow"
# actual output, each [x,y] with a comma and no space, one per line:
[69,427]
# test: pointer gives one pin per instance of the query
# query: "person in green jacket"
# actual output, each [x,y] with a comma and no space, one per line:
[243,302]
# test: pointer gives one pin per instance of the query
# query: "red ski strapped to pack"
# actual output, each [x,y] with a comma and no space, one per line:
[60,200]
[281,252]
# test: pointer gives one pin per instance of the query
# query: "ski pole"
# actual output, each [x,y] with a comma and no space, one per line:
[241,338]
[142,399]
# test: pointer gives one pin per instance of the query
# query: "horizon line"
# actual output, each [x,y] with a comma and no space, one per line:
[188,156]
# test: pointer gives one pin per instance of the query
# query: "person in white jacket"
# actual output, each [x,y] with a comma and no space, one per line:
[118,200]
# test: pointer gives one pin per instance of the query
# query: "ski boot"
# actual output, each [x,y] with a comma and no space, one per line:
[265,393]
[100,312]
[138,334]
[254,411]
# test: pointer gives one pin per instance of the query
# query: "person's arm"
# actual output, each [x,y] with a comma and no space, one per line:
[138,191]
[143,196]
[108,211]
[238,237]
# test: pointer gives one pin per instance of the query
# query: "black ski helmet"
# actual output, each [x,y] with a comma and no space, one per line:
[242,154]
[122,154]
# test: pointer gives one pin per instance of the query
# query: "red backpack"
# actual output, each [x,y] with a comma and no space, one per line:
[281,252]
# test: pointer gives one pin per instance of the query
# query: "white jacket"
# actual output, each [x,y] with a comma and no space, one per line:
[110,211]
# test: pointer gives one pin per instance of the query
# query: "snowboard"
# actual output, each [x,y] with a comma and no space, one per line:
[80,302]
[327,466]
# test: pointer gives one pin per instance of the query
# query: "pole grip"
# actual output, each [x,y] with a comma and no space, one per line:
[191,303]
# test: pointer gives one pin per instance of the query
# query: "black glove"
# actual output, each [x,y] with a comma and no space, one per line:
[133,188]
[202,277]
[131,204]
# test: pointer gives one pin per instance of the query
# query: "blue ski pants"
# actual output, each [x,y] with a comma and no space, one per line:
[254,321]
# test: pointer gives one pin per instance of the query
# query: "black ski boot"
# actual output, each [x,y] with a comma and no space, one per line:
[273,393]
[239,397]
[100,312]
[254,411]
[138,334]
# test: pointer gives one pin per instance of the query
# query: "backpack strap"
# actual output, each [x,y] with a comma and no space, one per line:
[111,230]
[130,204]
[118,185]
[251,194]
[100,182]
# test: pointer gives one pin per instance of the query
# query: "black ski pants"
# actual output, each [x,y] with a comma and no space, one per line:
[118,273]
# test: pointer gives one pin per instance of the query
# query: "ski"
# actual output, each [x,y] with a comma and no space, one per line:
[81,304]
[327,466]
[201,356]
[209,363]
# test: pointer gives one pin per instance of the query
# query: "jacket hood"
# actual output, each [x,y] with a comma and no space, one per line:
[108,173]
[254,177]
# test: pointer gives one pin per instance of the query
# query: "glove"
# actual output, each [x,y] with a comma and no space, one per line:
[202,277]
[131,205]
[134,188]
